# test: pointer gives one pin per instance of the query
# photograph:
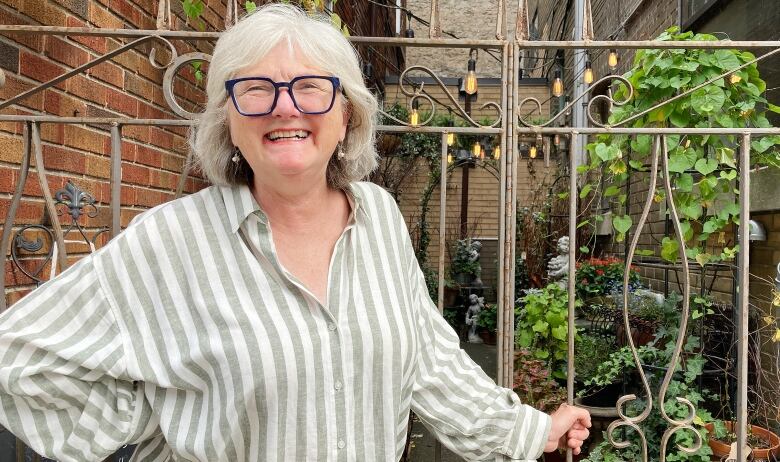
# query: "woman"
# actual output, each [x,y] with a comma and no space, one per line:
[277,316]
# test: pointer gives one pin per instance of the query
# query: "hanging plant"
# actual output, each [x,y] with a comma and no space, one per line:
[702,168]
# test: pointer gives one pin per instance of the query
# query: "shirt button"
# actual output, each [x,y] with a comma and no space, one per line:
[331,327]
[341,444]
[337,385]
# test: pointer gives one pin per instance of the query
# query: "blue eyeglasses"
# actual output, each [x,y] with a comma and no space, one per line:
[257,96]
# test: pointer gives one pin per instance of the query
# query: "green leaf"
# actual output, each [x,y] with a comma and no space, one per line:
[708,99]
[636,165]
[602,152]
[611,191]
[250,6]
[586,190]
[726,59]
[681,160]
[691,210]
[584,249]
[561,332]
[669,249]
[680,118]
[192,8]
[728,175]
[706,166]
[773,108]
[685,182]
[622,223]
[645,252]
[726,156]
[687,230]
[703,258]
[540,326]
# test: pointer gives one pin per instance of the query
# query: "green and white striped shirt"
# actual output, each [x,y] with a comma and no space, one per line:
[186,335]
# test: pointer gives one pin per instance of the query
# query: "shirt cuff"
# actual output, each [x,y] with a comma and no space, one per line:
[527,439]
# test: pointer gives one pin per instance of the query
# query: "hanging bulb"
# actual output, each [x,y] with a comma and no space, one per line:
[557,140]
[557,85]
[449,159]
[497,152]
[612,60]
[587,77]
[450,139]
[409,31]
[470,80]
[414,116]
[532,152]
[476,150]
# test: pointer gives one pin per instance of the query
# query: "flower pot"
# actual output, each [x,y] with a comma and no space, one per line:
[464,279]
[488,337]
[720,449]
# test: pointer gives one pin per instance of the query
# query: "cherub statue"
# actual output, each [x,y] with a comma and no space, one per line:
[472,315]
[558,267]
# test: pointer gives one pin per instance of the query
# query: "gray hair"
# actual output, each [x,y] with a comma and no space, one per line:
[246,43]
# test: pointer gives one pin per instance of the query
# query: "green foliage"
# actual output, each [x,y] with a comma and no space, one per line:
[488,317]
[703,168]
[465,261]
[591,351]
[543,327]
[656,358]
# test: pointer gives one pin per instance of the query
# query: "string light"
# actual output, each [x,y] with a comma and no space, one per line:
[557,85]
[497,152]
[532,152]
[476,149]
[414,116]
[557,140]
[587,77]
[470,80]
[612,59]
[450,139]
[449,159]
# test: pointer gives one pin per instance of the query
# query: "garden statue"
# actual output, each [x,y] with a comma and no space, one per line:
[558,267]
[472,314]
[465,264]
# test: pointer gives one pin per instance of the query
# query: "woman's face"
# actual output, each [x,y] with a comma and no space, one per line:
[286,144]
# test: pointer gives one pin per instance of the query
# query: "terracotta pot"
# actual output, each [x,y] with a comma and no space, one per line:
[721,449]
[488,337]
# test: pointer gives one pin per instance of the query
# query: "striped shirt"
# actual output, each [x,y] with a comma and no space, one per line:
[187,336]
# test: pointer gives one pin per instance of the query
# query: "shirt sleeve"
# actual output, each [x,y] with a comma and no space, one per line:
[459,403]
[63,384]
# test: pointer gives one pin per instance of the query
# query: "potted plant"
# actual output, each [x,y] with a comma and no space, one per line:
[487,321]
[465,264]
[764,443]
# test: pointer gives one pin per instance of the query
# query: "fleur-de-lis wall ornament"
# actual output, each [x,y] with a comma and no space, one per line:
[75,200]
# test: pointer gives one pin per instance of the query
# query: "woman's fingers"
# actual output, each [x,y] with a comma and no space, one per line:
[578,434]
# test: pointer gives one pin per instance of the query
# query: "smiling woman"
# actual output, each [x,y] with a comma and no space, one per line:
[279,315]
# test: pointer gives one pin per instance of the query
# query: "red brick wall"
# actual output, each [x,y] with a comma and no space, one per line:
[126,86]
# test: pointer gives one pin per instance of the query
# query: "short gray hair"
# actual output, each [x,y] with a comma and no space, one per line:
[246,43]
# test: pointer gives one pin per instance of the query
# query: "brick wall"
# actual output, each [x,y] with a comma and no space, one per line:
[127,86]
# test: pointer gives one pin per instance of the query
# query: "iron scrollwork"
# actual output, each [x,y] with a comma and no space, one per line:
[417,92]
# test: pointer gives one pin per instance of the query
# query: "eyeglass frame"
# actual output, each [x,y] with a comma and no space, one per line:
[230,84]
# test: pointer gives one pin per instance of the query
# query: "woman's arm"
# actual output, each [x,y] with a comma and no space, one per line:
[63,384]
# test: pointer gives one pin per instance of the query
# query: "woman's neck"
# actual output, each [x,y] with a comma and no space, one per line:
[297,207]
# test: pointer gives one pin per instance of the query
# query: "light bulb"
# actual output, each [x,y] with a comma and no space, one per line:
[557,140]
[557,85]
[532,152]
[476,149]
[612,60]
[450,139]
[414,118]
[470,81]
[497,152]
[587,77]
[449,159]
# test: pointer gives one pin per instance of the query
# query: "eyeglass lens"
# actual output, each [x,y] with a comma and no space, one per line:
[311,94]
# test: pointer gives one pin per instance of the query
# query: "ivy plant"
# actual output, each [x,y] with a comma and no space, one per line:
[702,168]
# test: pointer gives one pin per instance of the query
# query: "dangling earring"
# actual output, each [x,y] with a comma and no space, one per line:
[340,150]
[236,155]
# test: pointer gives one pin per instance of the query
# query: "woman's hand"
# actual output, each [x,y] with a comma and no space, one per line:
[569,429]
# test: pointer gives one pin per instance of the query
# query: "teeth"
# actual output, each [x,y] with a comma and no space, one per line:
[279,134]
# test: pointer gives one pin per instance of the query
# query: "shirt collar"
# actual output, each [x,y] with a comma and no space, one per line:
[240,204]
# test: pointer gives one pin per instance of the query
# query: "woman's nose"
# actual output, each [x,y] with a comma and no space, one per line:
[284,104]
